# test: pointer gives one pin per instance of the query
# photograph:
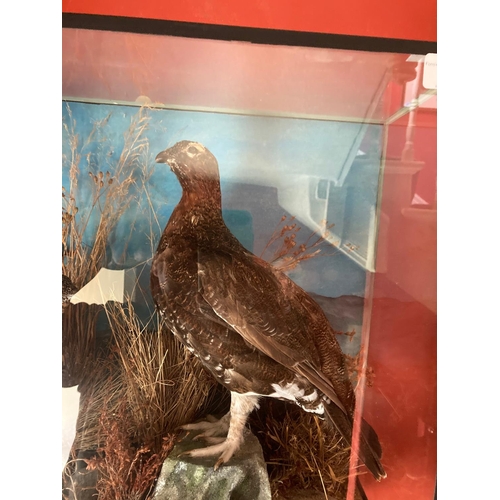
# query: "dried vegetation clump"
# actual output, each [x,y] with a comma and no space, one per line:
[301,451]
[105,198]
[127,470]
[140,391]
[162,387]
[283,249]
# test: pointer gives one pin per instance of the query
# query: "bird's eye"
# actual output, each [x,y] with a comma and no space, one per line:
[192,150]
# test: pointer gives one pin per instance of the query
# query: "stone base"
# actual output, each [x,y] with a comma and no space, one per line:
[244,477]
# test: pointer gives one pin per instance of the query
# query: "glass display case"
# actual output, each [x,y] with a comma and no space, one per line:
[327,161]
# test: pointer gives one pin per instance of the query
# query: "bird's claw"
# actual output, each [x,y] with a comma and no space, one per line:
[211,426]
[219,462]
[225,449]
[181,436]
[210,436]
[209,439]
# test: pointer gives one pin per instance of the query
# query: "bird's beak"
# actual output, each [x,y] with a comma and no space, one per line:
[163,157]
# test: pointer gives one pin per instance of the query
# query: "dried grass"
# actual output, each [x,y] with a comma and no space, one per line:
[111,196]
[302,452]
[285,252]
[101,389]
[138,393]
[127,471]
[162,387]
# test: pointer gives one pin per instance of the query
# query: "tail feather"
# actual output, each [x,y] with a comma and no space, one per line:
[370,451]
[371,438]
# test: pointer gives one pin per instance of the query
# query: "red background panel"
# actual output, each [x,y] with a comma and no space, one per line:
[402,19]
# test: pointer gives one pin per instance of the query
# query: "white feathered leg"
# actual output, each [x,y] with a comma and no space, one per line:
[241,406]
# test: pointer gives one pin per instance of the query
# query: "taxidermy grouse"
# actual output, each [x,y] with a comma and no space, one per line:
[253,328]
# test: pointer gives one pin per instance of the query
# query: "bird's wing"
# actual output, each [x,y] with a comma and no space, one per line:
[251,299]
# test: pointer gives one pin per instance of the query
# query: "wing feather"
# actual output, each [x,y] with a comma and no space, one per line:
[249,297]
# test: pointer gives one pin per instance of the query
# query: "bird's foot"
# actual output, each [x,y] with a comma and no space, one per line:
[210,427]
[211,439]
[232,424]
[227,448]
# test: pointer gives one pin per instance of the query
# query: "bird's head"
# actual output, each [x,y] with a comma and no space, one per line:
[191,162]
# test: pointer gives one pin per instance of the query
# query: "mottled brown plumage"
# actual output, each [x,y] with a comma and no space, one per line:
[252,327]
[68,290]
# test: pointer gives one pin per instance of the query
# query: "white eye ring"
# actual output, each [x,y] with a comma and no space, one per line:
[190,152]
[193,149]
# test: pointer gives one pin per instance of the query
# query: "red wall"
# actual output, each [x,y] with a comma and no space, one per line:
[403,19]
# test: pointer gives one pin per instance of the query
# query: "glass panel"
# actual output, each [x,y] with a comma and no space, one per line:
[235,77]
[402,402]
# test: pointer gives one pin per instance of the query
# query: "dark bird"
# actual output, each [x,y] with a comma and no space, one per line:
[68,290]
[251,326]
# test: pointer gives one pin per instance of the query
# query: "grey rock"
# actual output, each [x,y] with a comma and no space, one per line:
[244,477]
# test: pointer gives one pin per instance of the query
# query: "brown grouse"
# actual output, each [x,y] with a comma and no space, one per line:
[253,328]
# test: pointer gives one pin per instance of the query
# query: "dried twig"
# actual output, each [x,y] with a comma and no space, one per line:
[285,250]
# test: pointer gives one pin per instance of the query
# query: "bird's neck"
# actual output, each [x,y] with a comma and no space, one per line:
[205,200]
